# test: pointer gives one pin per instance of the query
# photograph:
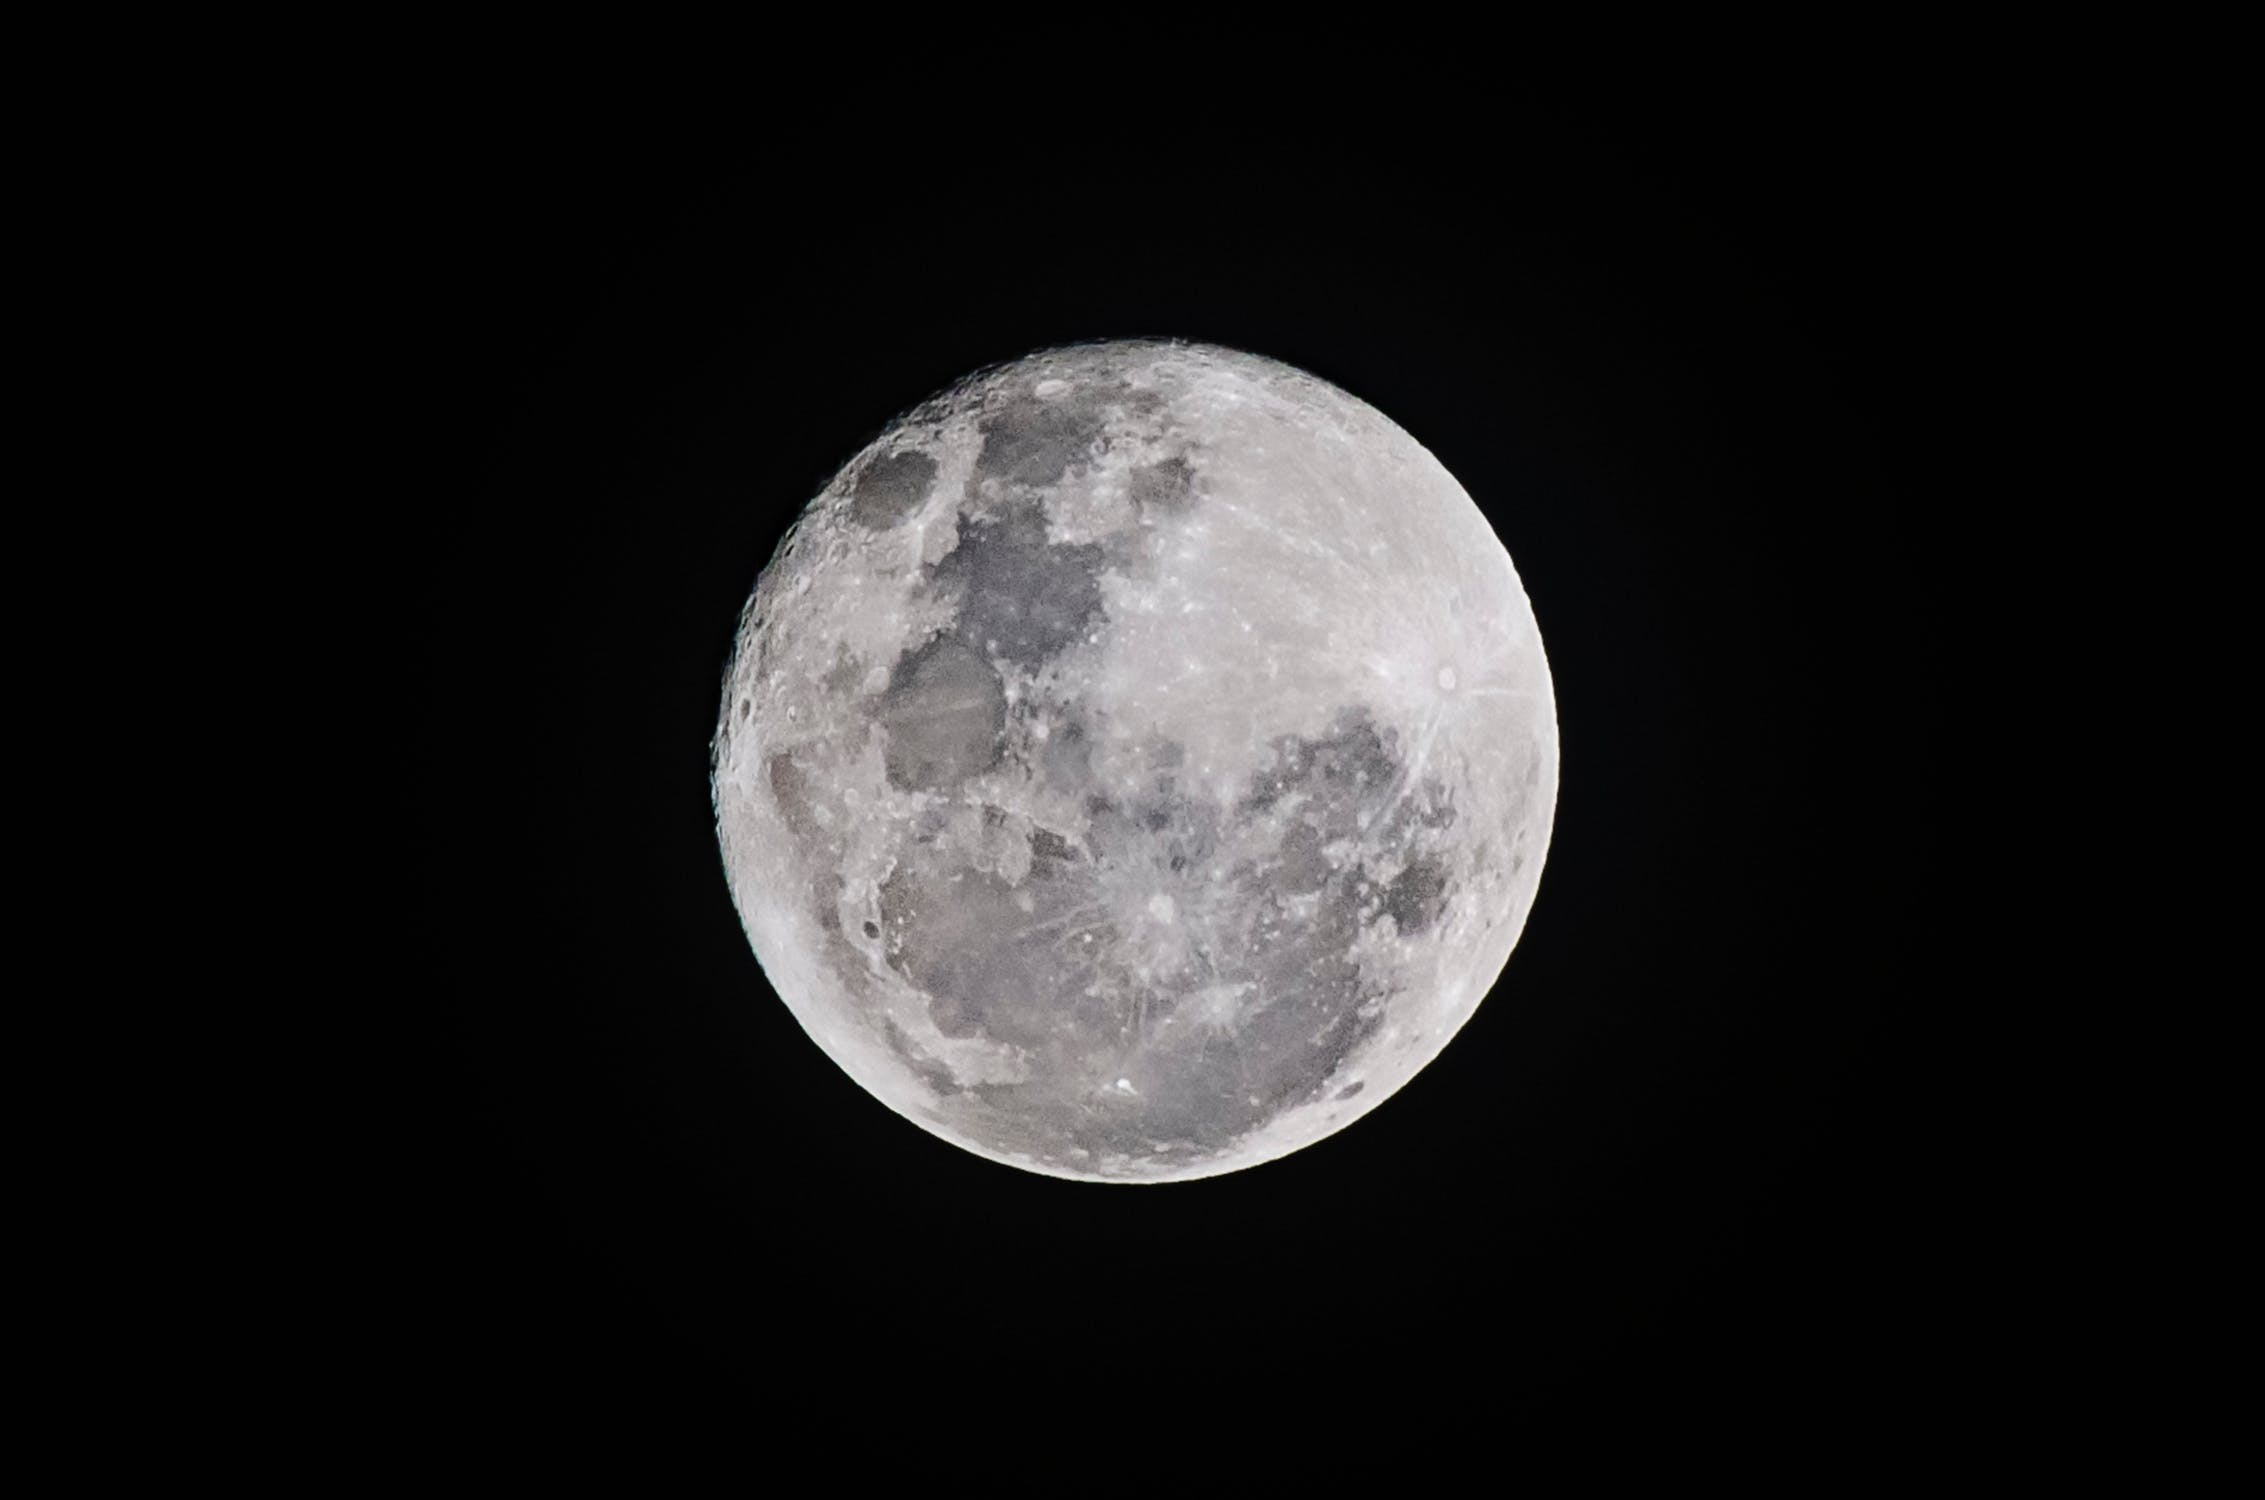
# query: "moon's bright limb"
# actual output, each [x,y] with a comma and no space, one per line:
[1137,763]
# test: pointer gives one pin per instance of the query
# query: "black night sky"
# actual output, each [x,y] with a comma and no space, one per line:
[1694,1138]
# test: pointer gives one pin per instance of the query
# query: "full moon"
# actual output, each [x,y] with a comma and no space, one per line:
[1137,763]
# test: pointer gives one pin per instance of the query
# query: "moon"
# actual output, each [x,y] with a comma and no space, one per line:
[1137,763]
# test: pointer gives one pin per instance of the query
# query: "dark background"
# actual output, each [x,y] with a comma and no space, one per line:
[1701,1138]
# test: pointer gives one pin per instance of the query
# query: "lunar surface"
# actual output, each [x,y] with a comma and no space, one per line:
[1137,763]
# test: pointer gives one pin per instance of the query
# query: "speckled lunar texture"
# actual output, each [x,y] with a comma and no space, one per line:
[1137,763]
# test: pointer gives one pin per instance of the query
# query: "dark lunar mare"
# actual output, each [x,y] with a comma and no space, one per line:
[1167,486]
[1030,441]
[1020,598]
[890,489]
[943,712]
